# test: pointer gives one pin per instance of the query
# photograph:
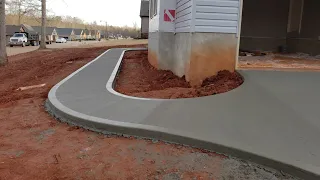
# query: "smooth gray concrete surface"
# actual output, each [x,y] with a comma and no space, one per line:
[273,119]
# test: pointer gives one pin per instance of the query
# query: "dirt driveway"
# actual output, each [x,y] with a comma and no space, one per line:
[33,145]
[75,44]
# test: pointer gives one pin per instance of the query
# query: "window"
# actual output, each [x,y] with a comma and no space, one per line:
[18,35]
[153,8]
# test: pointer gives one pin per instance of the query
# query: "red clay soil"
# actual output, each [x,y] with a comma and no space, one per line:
[138,78]
[33,145]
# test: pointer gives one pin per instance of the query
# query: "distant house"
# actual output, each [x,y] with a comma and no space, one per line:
[90,34]
[103,34]
[98,34]
[51,32]
[67,33]
[78,33]
[144,15]
[95,34]
[11,29]
[86,34]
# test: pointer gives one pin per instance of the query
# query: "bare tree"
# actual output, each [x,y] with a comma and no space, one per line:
[43,24]
[135,29]
[3,51]
[22,8]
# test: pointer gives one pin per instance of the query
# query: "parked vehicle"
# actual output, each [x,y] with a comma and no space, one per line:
[61,40]
[24,39]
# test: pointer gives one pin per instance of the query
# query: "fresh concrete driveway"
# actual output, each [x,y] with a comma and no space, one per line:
[272,119]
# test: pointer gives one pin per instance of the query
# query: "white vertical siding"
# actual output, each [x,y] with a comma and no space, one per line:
[216,16]
[183,21]
[166,26]
[221,16]
[154,23]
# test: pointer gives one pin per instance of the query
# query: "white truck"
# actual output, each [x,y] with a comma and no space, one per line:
[24,39]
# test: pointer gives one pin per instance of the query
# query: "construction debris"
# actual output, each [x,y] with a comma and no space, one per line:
[30,87]
[251,53]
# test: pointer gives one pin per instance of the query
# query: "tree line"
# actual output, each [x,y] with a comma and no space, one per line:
[29,12]
[72,22]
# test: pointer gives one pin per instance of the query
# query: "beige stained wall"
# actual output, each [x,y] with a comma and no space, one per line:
[196,56]
[210,53]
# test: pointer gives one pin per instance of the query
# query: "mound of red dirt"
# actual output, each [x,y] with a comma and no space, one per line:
[138,78]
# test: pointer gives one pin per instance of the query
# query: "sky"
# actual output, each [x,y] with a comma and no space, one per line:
[115,12]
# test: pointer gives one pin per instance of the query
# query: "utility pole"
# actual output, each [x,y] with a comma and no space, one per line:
[106,34]
[3,40]
[43,24]
[19,13]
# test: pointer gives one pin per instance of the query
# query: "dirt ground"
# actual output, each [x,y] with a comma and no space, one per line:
[290,62]
[35,146]
[138,78]
[75,44]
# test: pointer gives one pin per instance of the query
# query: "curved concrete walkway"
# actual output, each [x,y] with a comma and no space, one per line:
[273,119]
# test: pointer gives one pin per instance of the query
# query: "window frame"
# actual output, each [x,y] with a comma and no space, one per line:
[153,8]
